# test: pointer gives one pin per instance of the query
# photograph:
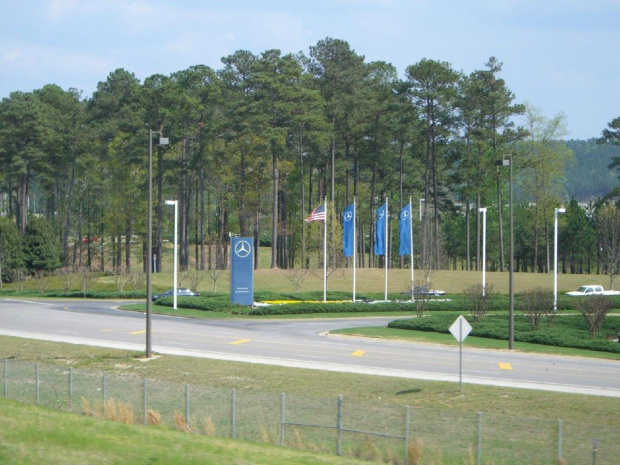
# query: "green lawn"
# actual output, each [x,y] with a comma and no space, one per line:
[443,419]
[34,435]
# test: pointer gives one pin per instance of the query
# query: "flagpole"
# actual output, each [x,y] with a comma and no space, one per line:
[411,250]
[325,255]
[386,254]
[354,243]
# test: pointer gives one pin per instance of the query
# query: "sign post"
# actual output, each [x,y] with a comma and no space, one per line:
[242,270]
[460,329]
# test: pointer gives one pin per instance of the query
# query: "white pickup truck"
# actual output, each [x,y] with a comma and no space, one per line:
[592,289]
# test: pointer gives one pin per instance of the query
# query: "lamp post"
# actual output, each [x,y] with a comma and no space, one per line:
[421,200]
[555,257]
[511,294]
[483,210]
[149,247]
[176,227]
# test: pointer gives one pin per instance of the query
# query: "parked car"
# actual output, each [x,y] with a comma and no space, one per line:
[181,292]
[591,289]
[418,290]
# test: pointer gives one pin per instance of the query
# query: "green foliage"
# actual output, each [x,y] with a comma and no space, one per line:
[591,175]
[41,248]
[11,251]
[568,330]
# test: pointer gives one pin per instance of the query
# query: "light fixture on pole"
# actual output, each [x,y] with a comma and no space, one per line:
[555,257]
[175,203]
[149,247]
[421,200]
[483,210]
[511,294]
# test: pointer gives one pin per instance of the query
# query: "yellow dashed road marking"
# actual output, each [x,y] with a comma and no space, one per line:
[138,332]
[241,341]
[358,353]
[505,366]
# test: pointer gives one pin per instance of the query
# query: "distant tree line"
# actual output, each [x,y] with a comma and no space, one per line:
[256,144]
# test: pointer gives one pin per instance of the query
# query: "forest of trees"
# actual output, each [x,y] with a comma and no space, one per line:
[258,143]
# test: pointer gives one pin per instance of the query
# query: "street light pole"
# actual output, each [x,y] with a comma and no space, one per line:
[176,226]
[511,290]
[484,250]
[511,294]
[149,247]
[421,200]
[555,257]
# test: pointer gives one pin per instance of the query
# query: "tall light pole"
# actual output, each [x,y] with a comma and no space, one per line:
[511,293]
[555,257]
[176,228]
[484,250]
[421,200]
[149,247]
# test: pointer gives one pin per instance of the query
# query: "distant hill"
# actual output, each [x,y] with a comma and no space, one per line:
[590,177]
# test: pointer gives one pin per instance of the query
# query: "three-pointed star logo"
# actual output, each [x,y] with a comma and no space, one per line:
[405,215]
[381,213]
[242,249]
[348,216]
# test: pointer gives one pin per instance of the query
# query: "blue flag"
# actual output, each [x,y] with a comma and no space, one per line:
[348,230]
[404,228]
[380,230]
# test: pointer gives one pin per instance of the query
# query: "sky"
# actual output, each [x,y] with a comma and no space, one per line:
[557,55]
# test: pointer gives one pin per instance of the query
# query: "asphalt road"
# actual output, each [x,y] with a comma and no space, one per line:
[303,343]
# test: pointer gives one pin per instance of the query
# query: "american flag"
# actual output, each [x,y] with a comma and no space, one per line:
[318,214]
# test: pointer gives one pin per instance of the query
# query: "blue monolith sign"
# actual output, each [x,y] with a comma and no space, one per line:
[242,270]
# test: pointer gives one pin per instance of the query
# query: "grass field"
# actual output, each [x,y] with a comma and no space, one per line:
[372,281]
[531,412]
[32,435]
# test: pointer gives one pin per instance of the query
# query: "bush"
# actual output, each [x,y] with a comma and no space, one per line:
[537,303]
[569,330]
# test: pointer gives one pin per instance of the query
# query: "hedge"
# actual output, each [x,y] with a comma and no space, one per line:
[567,330]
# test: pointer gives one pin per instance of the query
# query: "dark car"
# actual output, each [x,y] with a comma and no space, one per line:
[181,292]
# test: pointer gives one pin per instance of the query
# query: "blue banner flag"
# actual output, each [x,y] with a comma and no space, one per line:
[380,230]
[404,229]
[348,230]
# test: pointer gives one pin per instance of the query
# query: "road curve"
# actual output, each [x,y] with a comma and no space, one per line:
[303,344]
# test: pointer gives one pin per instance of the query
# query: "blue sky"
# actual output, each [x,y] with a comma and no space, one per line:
[558,55]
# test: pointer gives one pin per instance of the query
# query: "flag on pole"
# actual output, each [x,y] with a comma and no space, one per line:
[318,214]
[348,230]
[380,226]
[404,229]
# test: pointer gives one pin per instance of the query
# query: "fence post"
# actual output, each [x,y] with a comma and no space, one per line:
[6,377]
[560,440]
[105,382]
[338,440]
[144,400]
[70,386]
[282,417]
[187,406]
[233,414]
[406,461]
[37,383]
[479,451]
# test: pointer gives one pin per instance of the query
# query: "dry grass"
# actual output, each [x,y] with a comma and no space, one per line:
[414,452]
[208,426]
[153,417]
[180,423]
[368,450]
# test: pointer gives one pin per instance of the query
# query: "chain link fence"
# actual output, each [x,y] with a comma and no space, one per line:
[374,431]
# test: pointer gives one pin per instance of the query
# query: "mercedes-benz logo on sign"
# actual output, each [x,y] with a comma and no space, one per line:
[381,214]
[242,249]
[405,215]
[348,216]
